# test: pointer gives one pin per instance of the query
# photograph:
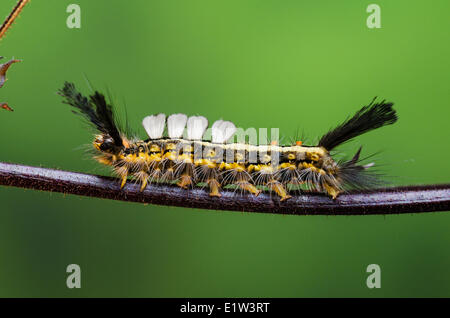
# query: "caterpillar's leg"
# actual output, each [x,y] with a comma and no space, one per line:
[247,186]
[185,181]
[214,187]
[168,175]
[331,191]
[187,175]
[143,178]
[279,189]
[123,182]
[155,174]
[122,172]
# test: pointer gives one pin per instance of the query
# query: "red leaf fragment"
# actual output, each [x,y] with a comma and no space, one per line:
[3,68]
[5,106]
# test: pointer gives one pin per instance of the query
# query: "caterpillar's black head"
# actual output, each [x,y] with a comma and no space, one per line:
[99,113]
[105,143]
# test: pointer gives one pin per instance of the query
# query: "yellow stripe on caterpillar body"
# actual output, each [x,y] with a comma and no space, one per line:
[186,159]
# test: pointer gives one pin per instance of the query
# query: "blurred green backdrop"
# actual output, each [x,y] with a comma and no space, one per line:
[289,64]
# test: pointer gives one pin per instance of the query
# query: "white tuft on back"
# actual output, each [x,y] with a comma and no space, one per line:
[176,124]
[196,126]
[215,129]
[154,125]
[222,131]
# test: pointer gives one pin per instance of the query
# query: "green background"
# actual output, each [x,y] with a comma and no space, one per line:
[289,64]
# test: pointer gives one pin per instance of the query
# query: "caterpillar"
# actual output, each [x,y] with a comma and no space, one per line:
[216,164]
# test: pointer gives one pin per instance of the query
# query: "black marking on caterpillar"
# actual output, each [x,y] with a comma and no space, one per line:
[193,161]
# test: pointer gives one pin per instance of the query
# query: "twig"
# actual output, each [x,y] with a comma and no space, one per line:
[3,28]
[12,16]
[410,199]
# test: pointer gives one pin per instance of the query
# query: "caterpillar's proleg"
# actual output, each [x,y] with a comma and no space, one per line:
[122,172]
[214,187]
[189,160]
[279,189]
[123,182]
[142,176]
[188,177]
[331,191]
[247,186]
[156,174]
[185,181]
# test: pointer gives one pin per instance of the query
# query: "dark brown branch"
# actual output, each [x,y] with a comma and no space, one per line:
[411,199]
[12,16]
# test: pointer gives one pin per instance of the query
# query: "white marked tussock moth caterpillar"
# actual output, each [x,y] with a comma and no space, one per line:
[214,163]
